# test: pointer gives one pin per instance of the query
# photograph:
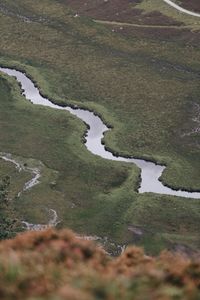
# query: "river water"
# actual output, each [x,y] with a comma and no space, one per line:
[150,172]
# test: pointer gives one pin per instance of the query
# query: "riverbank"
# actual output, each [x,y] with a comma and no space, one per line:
[150,173]
[129,81]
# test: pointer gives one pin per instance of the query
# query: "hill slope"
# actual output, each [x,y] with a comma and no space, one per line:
[145,85]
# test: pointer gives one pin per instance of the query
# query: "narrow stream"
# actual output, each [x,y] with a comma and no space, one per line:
[53,222]
[20,167]
[150,172]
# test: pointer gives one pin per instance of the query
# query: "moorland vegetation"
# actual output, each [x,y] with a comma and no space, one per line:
[142,81]
[56,265]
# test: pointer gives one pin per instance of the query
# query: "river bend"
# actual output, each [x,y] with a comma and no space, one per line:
[150,172]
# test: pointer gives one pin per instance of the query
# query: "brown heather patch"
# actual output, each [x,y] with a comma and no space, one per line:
[119,11]
[184,36]
[57,265]
[190,4]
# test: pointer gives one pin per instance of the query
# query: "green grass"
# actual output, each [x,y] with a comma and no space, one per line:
[145,88]
[70,175]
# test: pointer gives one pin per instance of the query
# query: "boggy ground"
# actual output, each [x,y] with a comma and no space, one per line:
[147,88]
[56,265]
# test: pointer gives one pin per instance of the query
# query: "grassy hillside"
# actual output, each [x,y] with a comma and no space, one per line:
[56,265]
[73,180]
[144,86]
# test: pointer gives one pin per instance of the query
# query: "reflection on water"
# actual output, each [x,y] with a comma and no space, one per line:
[150,172]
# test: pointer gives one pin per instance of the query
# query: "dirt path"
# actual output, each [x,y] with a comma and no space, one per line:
[139,25]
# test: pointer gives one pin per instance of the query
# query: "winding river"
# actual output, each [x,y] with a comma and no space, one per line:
[150,172]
